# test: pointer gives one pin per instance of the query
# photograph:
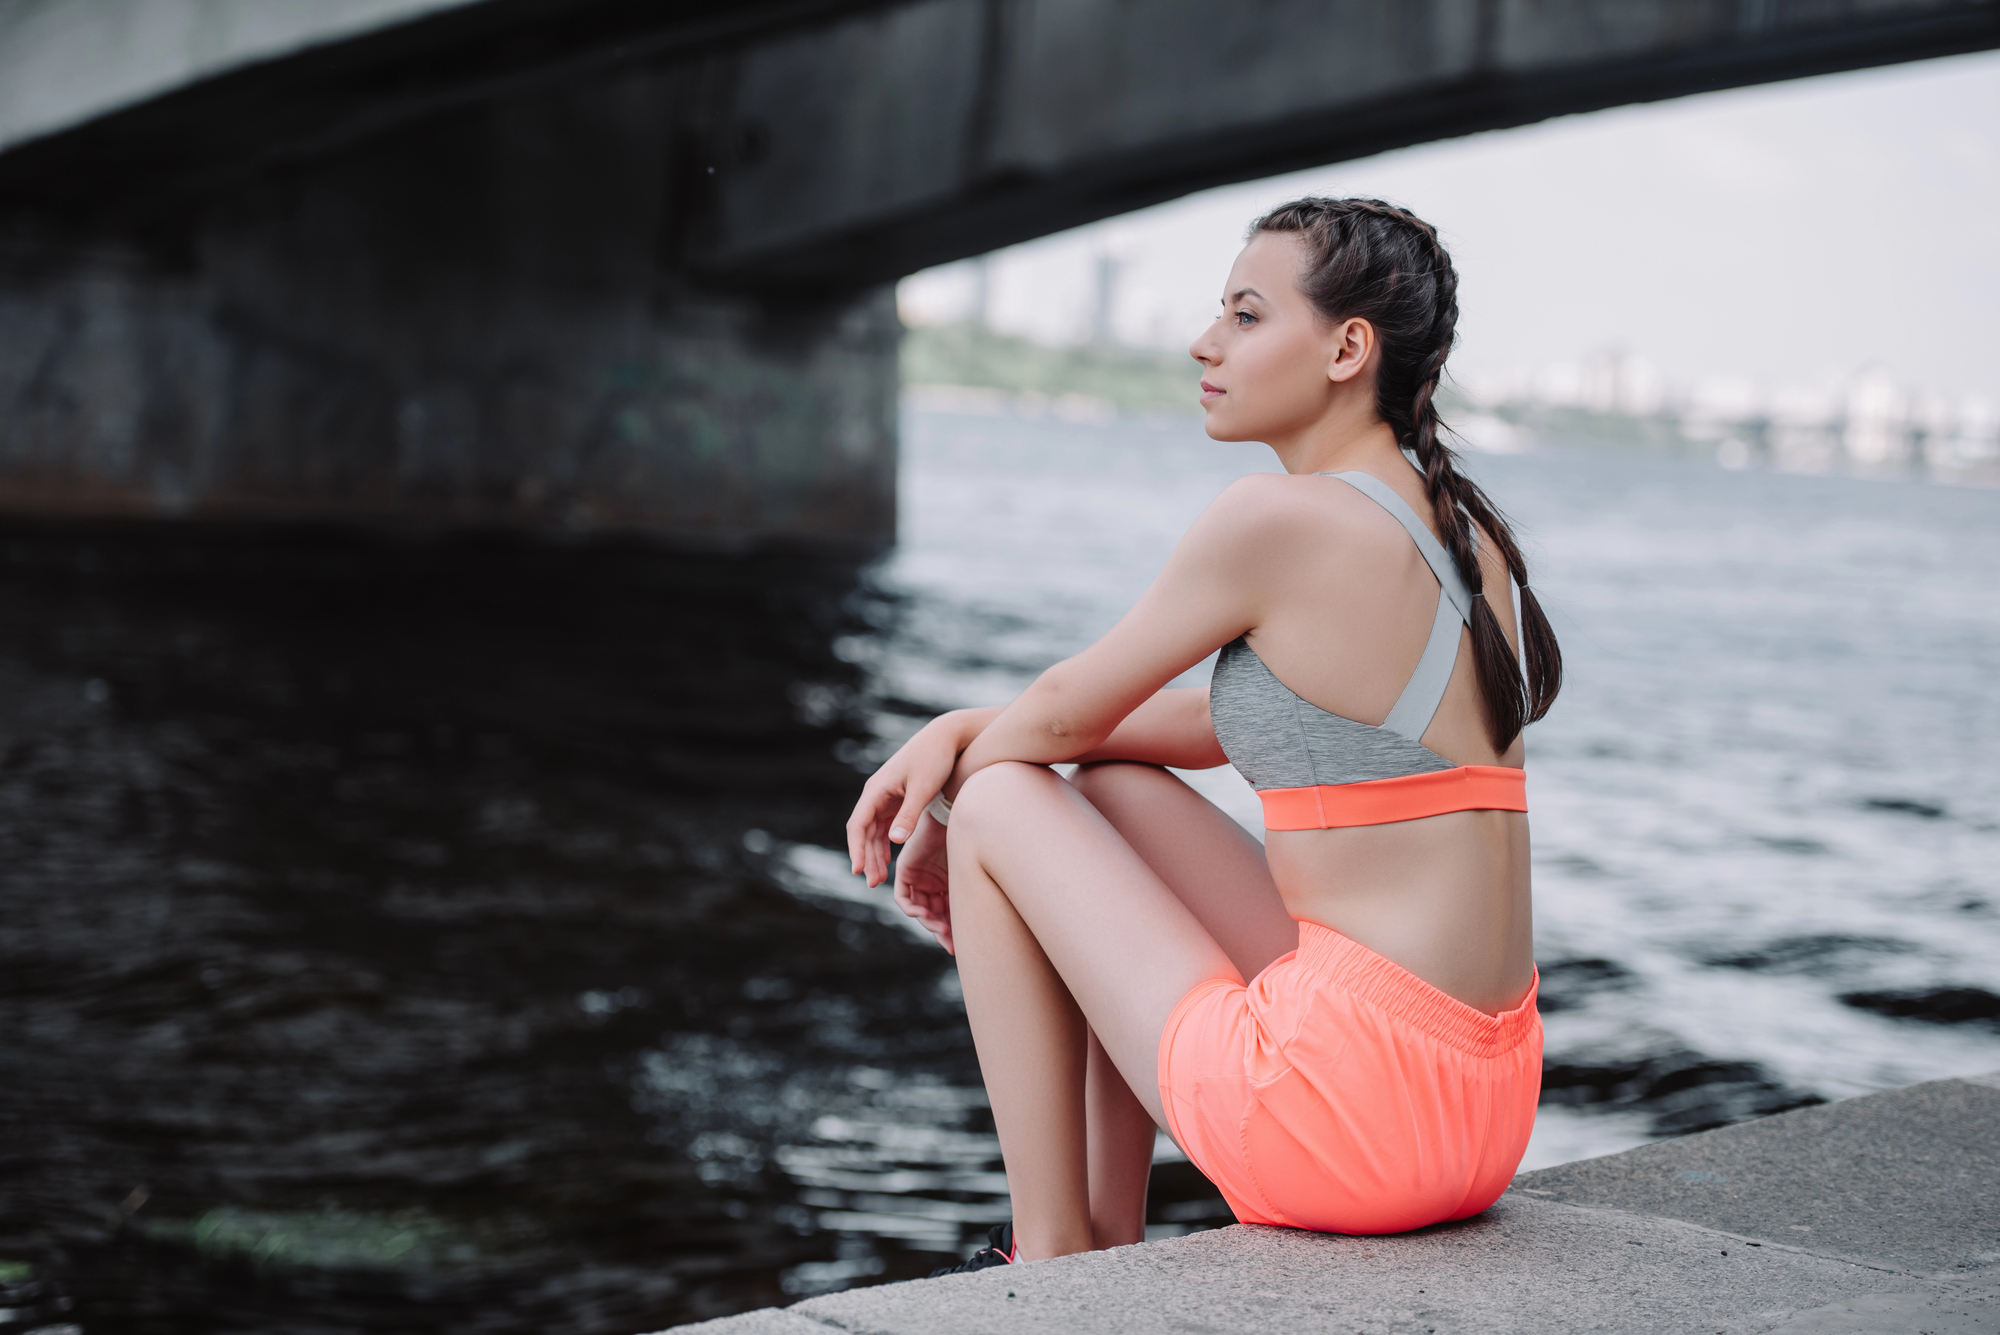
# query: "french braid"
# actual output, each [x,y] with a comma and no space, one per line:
[1383,264]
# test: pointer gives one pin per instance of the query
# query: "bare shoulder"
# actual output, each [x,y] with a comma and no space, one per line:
[1268,512]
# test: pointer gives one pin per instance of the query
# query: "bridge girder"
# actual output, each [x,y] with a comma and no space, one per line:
[623,262]
[1038,115]
[843,143]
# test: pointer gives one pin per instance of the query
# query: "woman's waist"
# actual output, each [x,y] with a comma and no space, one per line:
[1482,1009]
[1472,853]
[1452,906]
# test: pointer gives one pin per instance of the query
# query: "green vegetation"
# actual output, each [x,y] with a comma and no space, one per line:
[1135,380]
[1588,427]
[323,1239]
[1138,380]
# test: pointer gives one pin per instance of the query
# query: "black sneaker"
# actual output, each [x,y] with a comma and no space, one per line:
[1000,1250]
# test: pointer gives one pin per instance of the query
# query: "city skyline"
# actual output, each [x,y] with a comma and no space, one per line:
[1789,238]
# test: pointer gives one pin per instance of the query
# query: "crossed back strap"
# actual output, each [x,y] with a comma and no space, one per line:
[1415,707]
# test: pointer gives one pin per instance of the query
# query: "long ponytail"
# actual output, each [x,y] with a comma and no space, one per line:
[1383,264]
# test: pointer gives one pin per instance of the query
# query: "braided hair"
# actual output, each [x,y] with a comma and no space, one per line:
[1373,261]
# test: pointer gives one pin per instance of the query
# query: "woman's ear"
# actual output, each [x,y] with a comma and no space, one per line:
[1348,348]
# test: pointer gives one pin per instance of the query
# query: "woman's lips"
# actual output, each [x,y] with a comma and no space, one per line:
[1209,391]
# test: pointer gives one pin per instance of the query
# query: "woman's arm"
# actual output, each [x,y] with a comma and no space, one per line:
[892,802]
[1214,588]
[1108,702]
[1172,728]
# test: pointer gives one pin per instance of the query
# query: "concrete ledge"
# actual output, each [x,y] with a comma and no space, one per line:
[1877,1214]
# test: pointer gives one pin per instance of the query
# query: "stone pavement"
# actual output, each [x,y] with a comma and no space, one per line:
[1878,1214]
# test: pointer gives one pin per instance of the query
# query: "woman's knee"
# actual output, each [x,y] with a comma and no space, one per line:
[993,789]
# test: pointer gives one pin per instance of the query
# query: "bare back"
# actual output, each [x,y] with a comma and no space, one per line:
[1445,896]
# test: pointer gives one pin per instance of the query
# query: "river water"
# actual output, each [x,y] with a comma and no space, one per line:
[449,937]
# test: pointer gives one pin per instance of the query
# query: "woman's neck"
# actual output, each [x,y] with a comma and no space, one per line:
[1339,444]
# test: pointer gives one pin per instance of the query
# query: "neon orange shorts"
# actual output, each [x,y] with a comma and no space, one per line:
[1340,1092]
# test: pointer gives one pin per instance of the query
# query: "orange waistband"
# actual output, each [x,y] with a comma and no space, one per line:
[1341,962]
[1332,806]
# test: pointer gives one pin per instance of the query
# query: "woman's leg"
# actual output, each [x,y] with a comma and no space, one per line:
[1217,869]
[1032,1044]
[1062,929]
[1118,1139]
[1212,864]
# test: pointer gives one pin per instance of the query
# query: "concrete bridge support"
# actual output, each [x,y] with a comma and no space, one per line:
[623,263]
[474,320]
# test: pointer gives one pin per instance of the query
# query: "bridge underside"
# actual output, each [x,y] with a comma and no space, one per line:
[620,264]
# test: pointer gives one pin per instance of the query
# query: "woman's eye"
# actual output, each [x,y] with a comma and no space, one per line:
[1245,319]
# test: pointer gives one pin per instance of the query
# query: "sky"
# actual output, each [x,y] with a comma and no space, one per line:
[1790,234]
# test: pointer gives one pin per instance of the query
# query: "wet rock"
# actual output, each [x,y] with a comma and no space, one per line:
[1684,1090]
[1939,1005]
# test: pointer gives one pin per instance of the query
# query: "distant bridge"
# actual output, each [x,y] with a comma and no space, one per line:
[624,263]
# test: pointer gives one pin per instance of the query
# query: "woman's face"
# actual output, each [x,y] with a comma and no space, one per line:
[1271,367]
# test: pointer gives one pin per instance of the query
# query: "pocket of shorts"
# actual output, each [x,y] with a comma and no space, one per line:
[1254,1145]
[1315,1038]
[1272,1154]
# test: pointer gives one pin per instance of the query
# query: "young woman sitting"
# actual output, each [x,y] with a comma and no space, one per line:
[1337,1026]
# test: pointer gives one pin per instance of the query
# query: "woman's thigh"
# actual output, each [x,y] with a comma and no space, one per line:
[1212,864]
[1124,944]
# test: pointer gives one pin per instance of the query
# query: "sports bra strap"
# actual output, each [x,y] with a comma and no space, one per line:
[1513,589]
[1433,551]
[1411,715]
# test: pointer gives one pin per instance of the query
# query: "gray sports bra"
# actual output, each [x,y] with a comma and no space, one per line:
[1276,739]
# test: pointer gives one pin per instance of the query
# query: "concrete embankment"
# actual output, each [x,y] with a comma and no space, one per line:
[1877,1214]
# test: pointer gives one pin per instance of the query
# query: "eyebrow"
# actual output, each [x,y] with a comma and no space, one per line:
[1241,293]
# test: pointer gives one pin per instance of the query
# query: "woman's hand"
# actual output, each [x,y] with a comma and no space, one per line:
[923,884]
[896,795]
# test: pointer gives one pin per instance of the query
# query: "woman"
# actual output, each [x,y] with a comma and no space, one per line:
[1380,1070]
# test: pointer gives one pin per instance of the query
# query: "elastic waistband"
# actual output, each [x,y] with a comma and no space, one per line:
[1331,806]
[1346,964]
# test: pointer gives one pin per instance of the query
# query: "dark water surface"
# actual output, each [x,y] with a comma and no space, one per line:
[396,938]
[449,936]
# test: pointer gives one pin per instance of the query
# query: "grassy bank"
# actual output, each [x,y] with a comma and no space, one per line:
[1142,380]
[1133,380]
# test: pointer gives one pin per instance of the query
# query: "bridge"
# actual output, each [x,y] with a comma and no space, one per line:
[626,264]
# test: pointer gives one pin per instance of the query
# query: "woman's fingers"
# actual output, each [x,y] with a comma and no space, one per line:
[930,920]
[855,837]
[867,849]
[893,800]
[859,821]
[918,790]
[923,780]
[940,927]
[937,920]
[922,884]
[905,823]
[919,896]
